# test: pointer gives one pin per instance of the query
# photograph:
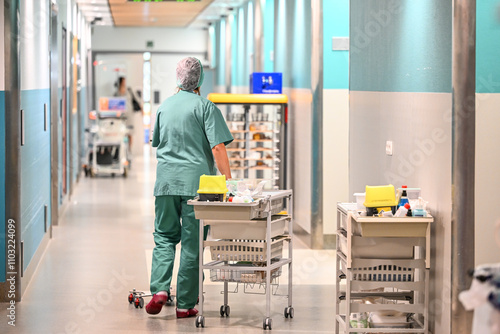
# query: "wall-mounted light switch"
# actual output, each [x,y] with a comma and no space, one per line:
[388,147]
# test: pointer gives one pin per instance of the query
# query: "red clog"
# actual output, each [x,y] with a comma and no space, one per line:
[156,303]
[186,314]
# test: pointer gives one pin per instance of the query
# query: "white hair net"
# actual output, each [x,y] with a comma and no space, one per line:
[189,73]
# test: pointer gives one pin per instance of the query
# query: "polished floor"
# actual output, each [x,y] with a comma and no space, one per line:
[102,248]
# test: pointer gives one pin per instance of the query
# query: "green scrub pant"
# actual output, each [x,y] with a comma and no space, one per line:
[169,230]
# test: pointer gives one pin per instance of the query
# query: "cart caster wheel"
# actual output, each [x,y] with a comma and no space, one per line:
[200,321]
[267,323]
[124,173]
[288,312]
[137,302]
[170,300]
[224,310]
[112,174]
[131,298]
[141,302]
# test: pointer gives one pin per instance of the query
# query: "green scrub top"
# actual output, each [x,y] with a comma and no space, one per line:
[187,127]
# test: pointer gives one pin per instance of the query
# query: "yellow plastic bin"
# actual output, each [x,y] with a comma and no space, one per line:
[380,198]
[212,188]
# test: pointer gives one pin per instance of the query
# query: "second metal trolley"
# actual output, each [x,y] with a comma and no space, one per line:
[250,245]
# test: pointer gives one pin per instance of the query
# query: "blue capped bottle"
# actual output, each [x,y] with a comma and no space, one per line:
[404,197]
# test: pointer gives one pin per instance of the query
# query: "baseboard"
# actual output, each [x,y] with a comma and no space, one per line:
[303,235]
[35,261]
[329,240]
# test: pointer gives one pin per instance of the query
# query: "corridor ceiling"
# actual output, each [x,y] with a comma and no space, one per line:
[164,14]
[161,14]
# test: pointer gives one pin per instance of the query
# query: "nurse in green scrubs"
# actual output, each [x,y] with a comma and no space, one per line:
[190,135]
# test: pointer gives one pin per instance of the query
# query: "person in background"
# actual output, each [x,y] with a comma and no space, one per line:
[123,92]
[190,135]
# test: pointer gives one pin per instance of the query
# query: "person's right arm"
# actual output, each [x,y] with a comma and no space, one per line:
[156,131]
[220,156]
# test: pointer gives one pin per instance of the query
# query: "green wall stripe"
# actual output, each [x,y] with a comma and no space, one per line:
[335,63]
[488,46]
[401,46]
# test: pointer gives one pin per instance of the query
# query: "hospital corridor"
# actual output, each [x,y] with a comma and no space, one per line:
[102,249]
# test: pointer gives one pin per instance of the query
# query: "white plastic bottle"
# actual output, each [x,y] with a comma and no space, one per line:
[402,211]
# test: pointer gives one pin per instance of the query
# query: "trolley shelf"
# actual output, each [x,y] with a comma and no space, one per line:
[341,320]
[388,295]
[264,140]
[255,159]
[223,265]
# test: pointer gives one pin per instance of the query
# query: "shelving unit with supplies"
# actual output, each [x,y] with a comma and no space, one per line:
[258,125]
[385,263]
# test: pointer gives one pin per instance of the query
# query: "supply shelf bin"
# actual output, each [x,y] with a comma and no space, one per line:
[269,203]
[237,275]
[245,250]
[393,227]
[254,229]
[251,248]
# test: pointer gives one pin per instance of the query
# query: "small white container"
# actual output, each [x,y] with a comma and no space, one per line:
[360,200]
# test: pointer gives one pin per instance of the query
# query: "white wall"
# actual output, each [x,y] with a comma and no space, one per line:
[419,124]
[335,155]
[134,39]
[487,194]
[34,41]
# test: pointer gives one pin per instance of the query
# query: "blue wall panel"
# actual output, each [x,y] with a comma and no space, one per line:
[234,49]
[59,148]
[35,170]
[335,63]
[283,53]
[293,42]
[83,112]
[301,54]
[74,146]
[405,46]
[2,186]
[488,46]
[249,42]
[268,36]
[221,51]
[241,58]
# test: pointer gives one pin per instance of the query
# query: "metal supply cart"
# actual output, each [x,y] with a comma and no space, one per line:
[108,142]
[385,261]
[249,245]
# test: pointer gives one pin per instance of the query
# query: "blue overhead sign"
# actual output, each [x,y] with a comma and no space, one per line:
[266,83]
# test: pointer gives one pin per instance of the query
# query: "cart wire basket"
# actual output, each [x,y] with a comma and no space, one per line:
[245,250]
[243,276]
[384,273]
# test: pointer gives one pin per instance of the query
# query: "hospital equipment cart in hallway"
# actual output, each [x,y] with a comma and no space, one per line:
[385,262]
[248,249]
